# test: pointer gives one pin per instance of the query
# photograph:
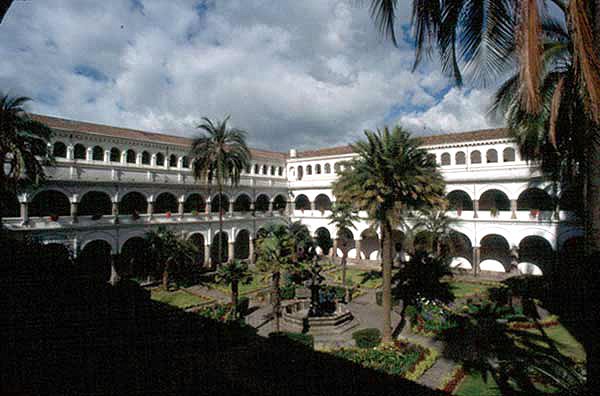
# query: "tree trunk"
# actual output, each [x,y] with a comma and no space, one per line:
[344,267]
[220,241]
[276,300]
[234,298]
[386,240]
[165,277]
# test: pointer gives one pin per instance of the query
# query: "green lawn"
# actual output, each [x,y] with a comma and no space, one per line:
[464,289]
[365,278]
[178,298]
[474,385]
[259,281]
[564,342]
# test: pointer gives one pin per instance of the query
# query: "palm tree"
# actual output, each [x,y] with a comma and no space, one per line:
[220,154]
[390,175]
[168,252]
[233,273]
[343,216]
[437,224]
[276,252]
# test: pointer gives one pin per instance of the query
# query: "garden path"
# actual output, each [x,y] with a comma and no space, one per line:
[206,291]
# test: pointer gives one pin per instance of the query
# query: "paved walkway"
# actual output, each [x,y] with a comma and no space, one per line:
[206,291]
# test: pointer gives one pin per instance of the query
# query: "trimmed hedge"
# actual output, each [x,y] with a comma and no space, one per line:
[304,339]
[367,338]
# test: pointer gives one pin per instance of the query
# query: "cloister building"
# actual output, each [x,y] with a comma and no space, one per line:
[109,186]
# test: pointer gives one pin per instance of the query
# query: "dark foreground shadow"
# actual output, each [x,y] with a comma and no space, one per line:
[63,333]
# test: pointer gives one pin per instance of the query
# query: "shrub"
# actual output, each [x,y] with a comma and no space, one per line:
[367,338]
[304,339]
[243,305]
[288,292]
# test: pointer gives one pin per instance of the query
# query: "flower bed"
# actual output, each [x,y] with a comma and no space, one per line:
[220,312]
[452,381]
[550,321]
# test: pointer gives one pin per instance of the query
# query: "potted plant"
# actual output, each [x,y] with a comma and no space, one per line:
[194,213]
[494,212]
[54,217]
[459,211]
[135,215]
[168,214]
[534,213]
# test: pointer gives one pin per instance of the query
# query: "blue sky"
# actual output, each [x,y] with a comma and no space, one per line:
[299,74]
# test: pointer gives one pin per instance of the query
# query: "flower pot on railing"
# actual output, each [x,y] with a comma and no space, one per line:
[194,213]
[458,212]
[53,217]
[168,215]
[494,212]
[534,213]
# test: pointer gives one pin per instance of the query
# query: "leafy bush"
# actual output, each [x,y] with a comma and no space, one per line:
[219,312]
[367,338]
[304,339]
[288,292]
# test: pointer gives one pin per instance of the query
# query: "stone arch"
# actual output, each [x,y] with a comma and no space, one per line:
[79,152]
[460,158]
[173,161]
[132,258]
[194,202]
[459,200]
[491,156]
[241,246]
[535,255]
[261,204]
[214,248]
[461,250]
[323,240]
[535,199]
[130,156]
[97,153]
[495,253]
[476,157]
[322,203]
[346,242]
[242,203]
[445,159]
[9,205]
[219,203]
[165,202]
[95,259]
[95,204]
[50,203]
[146,158]
[279,203]
[160,159]
[115,155]
[494,198]
[508,154]
[302,202]
[370,244]
[133,202]
[59,150]
[197,239]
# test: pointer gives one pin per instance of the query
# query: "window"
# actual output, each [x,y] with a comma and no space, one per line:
[173,161]
[508,155]
[145,158]
[280,171]
[130,157]
[272,171]
[475,157]
[98,153]
[264,169]
[318,169]
[460,158]
[79,151]
[256,169]
[185,162]
[115,155]
[432,157]
[445,159]
[300,173]
[309,170]
[491,156]
[60,150]
[160,159]
[327,168]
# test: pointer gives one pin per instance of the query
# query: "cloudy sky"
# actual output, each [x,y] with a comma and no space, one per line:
[300,74]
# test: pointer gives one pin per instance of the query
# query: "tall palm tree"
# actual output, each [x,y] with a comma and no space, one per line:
[23,147]
[233,273]
[391,174]
[437,224]
[343,216]
[220,154]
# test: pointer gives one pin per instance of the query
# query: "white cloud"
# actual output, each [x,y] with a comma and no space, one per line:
[293,73]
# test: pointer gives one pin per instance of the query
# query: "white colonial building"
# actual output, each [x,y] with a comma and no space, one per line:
[110,185]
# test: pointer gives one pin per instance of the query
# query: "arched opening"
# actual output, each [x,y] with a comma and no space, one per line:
[214,248]
[323,240]
[508,154]
[461,250]
[256,169]
[280,171]
[459,200]
[219,203]
[130,156]
[495,254]
[133,202]
[279,203]
[262,203]
[535,255]
[194,203]
[322,203]
[494,200]
[301,202]
[173,161]
[95,204]
[491,156]
[241,246]
[9,205]
[198,240]
[460,158]
[185,162]
[94,260]
[475,157]
[50,203]
[160,159]
[318,169]
[308,170]
[399,241]
[59,150]
[327,168]
[445,159]
[145,158]
[370,245]
[97,153]
[535,199]
[272,172]
[264,170]
[242,203]
[133,259]
[345,243]
[165,202]
[300,173]
[79,152]
[115,155]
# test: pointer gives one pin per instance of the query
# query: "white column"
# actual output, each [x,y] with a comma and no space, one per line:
[89,155]
[70,152]
[107,156]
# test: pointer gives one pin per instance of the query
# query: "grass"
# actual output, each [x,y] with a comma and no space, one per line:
[357,277]
[179,298]
[566,344]
[473,384]
[259,281]
[466,289]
